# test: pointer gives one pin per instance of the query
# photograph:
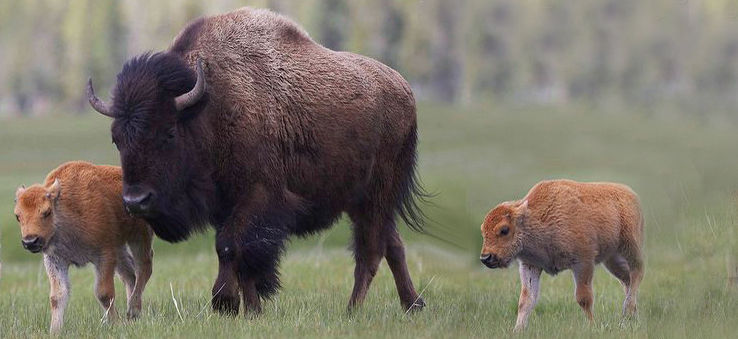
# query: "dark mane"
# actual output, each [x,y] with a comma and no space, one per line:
[144,116]
[151,77]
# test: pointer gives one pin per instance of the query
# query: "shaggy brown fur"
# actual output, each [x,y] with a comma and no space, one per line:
[77,217]
[288,136]
[562,224]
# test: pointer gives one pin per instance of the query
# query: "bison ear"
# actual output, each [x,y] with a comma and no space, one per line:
[54,191]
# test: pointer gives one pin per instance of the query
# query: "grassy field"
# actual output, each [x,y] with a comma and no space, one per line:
[685,172]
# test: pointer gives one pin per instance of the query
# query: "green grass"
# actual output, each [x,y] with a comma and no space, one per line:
[473,158]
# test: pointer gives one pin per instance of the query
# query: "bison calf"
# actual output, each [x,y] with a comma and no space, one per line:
[562,224]
[77,217]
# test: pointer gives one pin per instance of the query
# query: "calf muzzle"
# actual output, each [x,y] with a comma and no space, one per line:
[490,260]
[33,244]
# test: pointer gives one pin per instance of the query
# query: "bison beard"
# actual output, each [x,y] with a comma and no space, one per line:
[189,211]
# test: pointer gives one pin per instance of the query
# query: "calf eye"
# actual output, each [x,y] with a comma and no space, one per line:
[505,230]
[46,213]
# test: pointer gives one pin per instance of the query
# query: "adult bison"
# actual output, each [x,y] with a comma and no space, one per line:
[246,124]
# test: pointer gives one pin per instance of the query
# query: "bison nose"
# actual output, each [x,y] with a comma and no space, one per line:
[138,204]
[32,243]
[484,258]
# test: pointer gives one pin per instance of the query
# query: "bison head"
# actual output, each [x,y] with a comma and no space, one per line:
[154,106]
[502,235]
[34,207]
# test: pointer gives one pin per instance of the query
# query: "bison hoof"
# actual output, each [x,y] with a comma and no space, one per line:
[226,305]
[417,305]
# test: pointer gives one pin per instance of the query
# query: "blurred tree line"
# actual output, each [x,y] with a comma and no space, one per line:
[462,51]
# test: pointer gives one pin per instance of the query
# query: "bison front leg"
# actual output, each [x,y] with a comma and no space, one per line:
[529,286]
[225,290]
[249,248]
[258,257]
[251,299]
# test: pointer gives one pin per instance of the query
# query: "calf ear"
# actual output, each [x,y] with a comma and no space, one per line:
[54,191]
[520,212]
[19,191]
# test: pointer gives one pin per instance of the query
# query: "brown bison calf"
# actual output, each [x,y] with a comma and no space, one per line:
[77,217]
[562,224]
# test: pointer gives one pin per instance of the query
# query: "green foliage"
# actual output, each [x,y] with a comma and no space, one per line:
[642,53]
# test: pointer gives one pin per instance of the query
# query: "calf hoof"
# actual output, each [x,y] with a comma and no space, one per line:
[133,314]
[226,305]
[417,305]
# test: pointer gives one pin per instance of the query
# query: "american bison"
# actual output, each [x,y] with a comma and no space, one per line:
[77,217]
[562,224]
[247,124]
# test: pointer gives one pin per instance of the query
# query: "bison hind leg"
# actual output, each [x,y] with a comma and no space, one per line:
[376,236]
[395,256]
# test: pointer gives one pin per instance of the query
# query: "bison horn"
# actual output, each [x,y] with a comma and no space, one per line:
[193,96]
[96,103]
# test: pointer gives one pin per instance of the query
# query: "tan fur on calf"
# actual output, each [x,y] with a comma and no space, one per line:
[77,217]
[562,224]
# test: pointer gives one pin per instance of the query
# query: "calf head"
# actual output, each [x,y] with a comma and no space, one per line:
[34,209]
[502,234]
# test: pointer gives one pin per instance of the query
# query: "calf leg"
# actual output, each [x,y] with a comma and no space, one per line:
[395,255]
[104,285]
[142,257]
[125,271]
[618,266]
[635,262]
[529,287]
[59,294]
[583,274]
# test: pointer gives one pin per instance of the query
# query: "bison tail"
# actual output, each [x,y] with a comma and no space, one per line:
[411,193]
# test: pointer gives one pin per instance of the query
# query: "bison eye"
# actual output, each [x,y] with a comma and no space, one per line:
[171,134]
[46,214]
[504,231]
